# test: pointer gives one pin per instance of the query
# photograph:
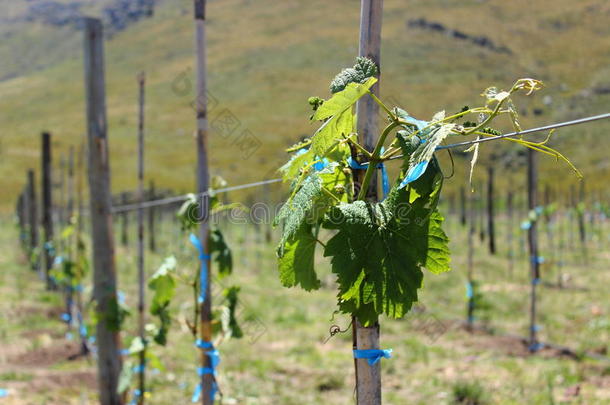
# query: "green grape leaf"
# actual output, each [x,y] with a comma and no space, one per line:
[295,211]
[325,142]
[362,70]
[232,326]
[126,377]
[318,192]
[164,287]
[380,249]
[291,169]
[296,264]
[221,253]
[343,100]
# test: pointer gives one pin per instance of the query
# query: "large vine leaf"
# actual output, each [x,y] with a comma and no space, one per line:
[296,264]
[221,253]
[318,192]
[380,249]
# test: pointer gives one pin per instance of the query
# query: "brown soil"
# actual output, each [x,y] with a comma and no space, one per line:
[47,356]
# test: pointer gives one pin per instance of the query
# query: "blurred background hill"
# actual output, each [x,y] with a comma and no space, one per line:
[267,57]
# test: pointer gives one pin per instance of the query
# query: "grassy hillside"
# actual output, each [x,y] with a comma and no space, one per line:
[266,58]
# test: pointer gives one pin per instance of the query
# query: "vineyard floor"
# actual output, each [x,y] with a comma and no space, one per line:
[284,357]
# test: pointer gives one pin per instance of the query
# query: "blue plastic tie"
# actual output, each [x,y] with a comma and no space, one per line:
[203,274]
[214,357]
[535,281]
[469,290]
[136,394]
[66,317]
[385,181]
[415,173]
[525,225]
[3,393]
[372,355]
[203,344]
[537,259]
[139,368]
[322,164]
[535,328]
[536,346]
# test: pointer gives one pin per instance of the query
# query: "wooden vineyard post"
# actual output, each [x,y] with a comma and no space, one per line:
[32,213]
[582,231]
[490,210]
[463,206]
[480,211]
[203,180]
[69,246]
[78,226]
[20,212]
[549,223]
[152,242]
[47,209]
[141,274]
[368,377]
[470,304]
[124,220]
[532,194]
[510,214]
[104,270]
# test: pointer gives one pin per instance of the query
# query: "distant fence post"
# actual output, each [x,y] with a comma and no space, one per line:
[152,241]
[491,231]
[532,194]
[124,220]
[32,219]
[104,271]
[47,209]
[510,231]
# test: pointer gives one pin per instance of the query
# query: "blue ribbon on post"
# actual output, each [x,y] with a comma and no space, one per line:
[203,275]
[385,181]
[136,394]
[372,355]
[214,357]
[469,290]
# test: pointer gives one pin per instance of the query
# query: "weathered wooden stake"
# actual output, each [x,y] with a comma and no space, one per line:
[368,377]
[582,231]
[124,220]
[463,206]
[532,194]
[203,181]
[20,212]
[510,232]
[80,249]
[152,240]
[490,210]
[32,209]
[104,270]
[470,305]
[47,209]
[141,273]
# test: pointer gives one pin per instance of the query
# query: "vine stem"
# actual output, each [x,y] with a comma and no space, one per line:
[375,158]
